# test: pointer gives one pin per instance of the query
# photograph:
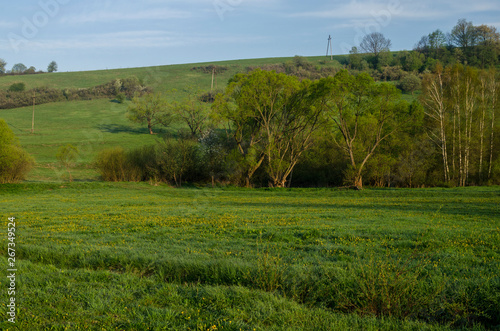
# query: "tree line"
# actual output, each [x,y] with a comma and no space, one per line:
[477,46]
[21,69]
[272,129]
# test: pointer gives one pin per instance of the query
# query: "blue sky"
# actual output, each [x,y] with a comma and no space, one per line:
[91,35]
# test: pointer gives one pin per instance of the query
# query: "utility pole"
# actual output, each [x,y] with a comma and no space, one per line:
[329,47]
[33,118]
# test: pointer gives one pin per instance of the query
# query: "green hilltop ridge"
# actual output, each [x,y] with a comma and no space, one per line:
[164,77]
[94,125]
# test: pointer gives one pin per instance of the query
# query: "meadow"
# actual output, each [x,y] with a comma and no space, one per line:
[130,256]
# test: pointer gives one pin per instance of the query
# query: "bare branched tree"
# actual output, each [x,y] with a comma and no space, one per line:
[375,43]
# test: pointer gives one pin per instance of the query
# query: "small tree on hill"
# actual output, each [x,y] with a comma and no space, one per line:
[375,43]
[52,67]
[19,68]
[3,64]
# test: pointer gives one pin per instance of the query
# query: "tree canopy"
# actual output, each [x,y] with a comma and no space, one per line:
[375,43]
[15,163]
[152,109]
[270,120]
[52,67]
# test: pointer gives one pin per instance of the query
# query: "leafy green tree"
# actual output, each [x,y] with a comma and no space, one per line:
[383,59]
[410,83]
[30,71]
[52,67]
[488,45]
[437,40]
[364,114]
[194,114]
[19,68]
[152,109]
[411,61]
[3,64]
[15,163]
[437,44]
[67,155]
[271,118]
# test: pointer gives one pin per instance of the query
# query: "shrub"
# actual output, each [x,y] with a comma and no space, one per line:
[120,97]
[114,166]
[172,161]
[410,83]
[17,87]
[15,163]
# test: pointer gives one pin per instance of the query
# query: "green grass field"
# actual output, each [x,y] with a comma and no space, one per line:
[134,256]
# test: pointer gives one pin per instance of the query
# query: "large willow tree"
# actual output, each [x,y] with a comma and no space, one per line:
[271,118]
[364,114]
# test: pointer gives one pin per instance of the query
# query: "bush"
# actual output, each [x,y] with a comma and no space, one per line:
[120,98]
[114,166]
[17,87]
[172,161]
[15,163]
[410,83]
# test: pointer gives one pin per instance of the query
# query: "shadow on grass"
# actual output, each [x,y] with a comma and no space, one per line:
[120,128]
[464,208]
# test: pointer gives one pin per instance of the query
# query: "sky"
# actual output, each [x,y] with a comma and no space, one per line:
[108,34]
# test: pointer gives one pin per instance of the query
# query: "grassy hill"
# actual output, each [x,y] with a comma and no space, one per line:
[99,124]
[167,77]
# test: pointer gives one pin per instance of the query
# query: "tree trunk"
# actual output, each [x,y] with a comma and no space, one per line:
[150,127]
[358,180]
[492,140]
[493,89]
[454,139]
[482,122]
